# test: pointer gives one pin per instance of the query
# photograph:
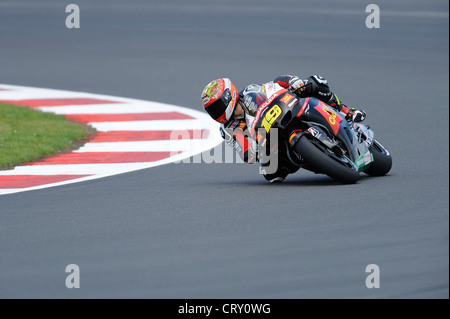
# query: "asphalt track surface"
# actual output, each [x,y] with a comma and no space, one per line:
[219,230]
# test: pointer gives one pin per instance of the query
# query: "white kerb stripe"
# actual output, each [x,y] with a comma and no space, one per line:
[106,109]
[164,125]
[144,146]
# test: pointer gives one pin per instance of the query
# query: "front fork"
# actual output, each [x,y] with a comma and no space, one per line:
[362,140]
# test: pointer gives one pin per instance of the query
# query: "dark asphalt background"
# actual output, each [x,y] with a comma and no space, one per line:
[219,230]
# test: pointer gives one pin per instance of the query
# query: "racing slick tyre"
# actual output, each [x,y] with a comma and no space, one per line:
[382,160]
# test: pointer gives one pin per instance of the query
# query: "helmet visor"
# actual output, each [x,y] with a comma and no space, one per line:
[218,108]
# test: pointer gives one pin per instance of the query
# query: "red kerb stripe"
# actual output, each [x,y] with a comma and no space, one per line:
[91,118]
[22,181]
[105,157]
[57,102]
[132,136]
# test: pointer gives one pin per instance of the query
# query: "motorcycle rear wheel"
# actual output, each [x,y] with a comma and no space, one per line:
[323,163]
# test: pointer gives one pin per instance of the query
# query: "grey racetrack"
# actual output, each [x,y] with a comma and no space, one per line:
[220,230]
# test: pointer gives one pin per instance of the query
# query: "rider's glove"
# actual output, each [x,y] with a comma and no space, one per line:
[226,135]
[354,115]
[254,150]
[335,102]
[296,84]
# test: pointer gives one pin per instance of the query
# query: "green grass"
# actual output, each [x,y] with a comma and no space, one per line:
[27,135]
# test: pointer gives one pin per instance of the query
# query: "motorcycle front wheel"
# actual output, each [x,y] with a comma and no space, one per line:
[382,160]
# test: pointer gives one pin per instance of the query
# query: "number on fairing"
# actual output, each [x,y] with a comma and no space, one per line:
[271,116]
[332,118]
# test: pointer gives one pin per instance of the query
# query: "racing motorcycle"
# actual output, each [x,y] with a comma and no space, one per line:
[316,137]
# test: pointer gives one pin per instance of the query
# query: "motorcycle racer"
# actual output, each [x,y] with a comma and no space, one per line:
[236,111]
